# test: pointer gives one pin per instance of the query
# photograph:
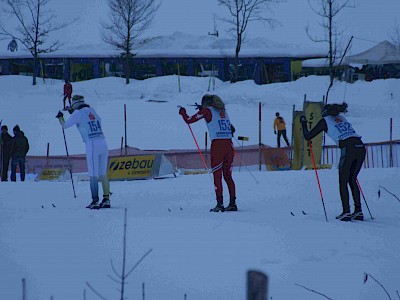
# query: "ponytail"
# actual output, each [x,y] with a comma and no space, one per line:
[334,109]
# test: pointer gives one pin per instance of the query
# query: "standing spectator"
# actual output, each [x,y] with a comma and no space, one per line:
[6,142]
[280,126]
[352,154]
[89,125]
[19,149]
[67,92]
[222,153]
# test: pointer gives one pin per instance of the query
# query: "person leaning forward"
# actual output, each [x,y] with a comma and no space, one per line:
[89,125]
[213,111]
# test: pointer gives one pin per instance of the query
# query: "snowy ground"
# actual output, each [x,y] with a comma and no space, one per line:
[201,254]
[204,255]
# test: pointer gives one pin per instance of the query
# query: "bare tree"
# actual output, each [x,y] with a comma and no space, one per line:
[128,20]
[395,35]
[123,275]
[35,24]
[329,10]
[242,12]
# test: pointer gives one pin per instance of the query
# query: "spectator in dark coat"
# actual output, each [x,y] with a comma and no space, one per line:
[5,141]
[19,149]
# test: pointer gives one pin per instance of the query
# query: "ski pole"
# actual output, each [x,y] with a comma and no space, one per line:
[362,193]
[198,148]
[316,174]
[238,156]
[70,169]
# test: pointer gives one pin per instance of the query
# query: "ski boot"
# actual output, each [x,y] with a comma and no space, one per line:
[344,217]
[219,207]
[357,216]
[232,205]
[105,203]
[94,205]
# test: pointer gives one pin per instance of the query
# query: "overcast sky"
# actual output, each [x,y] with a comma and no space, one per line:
[368,20]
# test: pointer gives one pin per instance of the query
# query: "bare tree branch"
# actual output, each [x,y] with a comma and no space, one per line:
[328,10]
[395,35]
[96,292]
[128,20]
[139,261]
[35,25]
[313,291]
[241,13]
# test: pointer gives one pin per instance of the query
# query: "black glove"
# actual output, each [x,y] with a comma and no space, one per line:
[274,131]
[303,119]
[182,111]
[59,115]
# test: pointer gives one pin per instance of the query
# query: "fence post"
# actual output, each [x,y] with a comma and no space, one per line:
[390,147]
[257,286]
[259,136]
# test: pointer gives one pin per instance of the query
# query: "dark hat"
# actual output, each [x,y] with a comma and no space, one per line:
[4,127]
[16,128]
[77,100]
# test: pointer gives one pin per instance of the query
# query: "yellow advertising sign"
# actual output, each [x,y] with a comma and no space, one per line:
[298,139]
[313,113]
[132,167]
[50,174]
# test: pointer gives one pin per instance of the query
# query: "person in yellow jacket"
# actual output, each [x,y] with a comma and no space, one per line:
[280,127]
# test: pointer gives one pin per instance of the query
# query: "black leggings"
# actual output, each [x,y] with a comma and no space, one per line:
[283,134]
[351,160]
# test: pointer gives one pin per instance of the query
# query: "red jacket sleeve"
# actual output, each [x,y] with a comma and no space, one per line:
[202,113]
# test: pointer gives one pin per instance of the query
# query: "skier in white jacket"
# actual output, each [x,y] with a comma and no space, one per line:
[89,125]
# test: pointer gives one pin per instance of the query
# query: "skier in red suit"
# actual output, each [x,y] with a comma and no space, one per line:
[220,130]
[67,92]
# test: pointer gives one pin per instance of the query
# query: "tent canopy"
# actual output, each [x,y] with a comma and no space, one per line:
[381,54]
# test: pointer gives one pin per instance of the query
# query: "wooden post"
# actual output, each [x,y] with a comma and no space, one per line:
[126,139]
[206,142]
[391,145]
[257,286]
[179,78]
[259,136]
[23,289]
[205,139]
[47,153]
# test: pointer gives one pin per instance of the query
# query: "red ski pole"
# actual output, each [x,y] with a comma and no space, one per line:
[316,174]
[198,148]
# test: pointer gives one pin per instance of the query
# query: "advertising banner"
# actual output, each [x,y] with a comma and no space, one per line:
[276,159]
[312,111]
[138,167]
[298,141]
[50,174]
